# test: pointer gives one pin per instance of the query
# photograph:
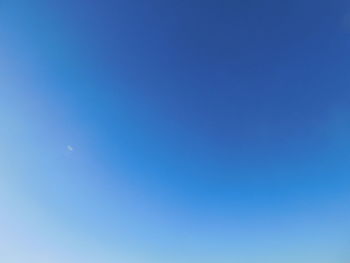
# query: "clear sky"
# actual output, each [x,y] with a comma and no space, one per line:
[177,131]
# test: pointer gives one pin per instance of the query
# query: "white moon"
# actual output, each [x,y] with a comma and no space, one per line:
[70,148]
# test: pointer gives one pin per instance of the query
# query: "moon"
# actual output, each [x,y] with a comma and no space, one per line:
[70,148]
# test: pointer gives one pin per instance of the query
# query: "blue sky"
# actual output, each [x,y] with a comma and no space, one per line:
[174,131]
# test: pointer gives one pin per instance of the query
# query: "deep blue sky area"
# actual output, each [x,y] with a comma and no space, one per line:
[175,131]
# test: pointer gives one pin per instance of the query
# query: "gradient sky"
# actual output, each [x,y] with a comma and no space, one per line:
[176,131]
